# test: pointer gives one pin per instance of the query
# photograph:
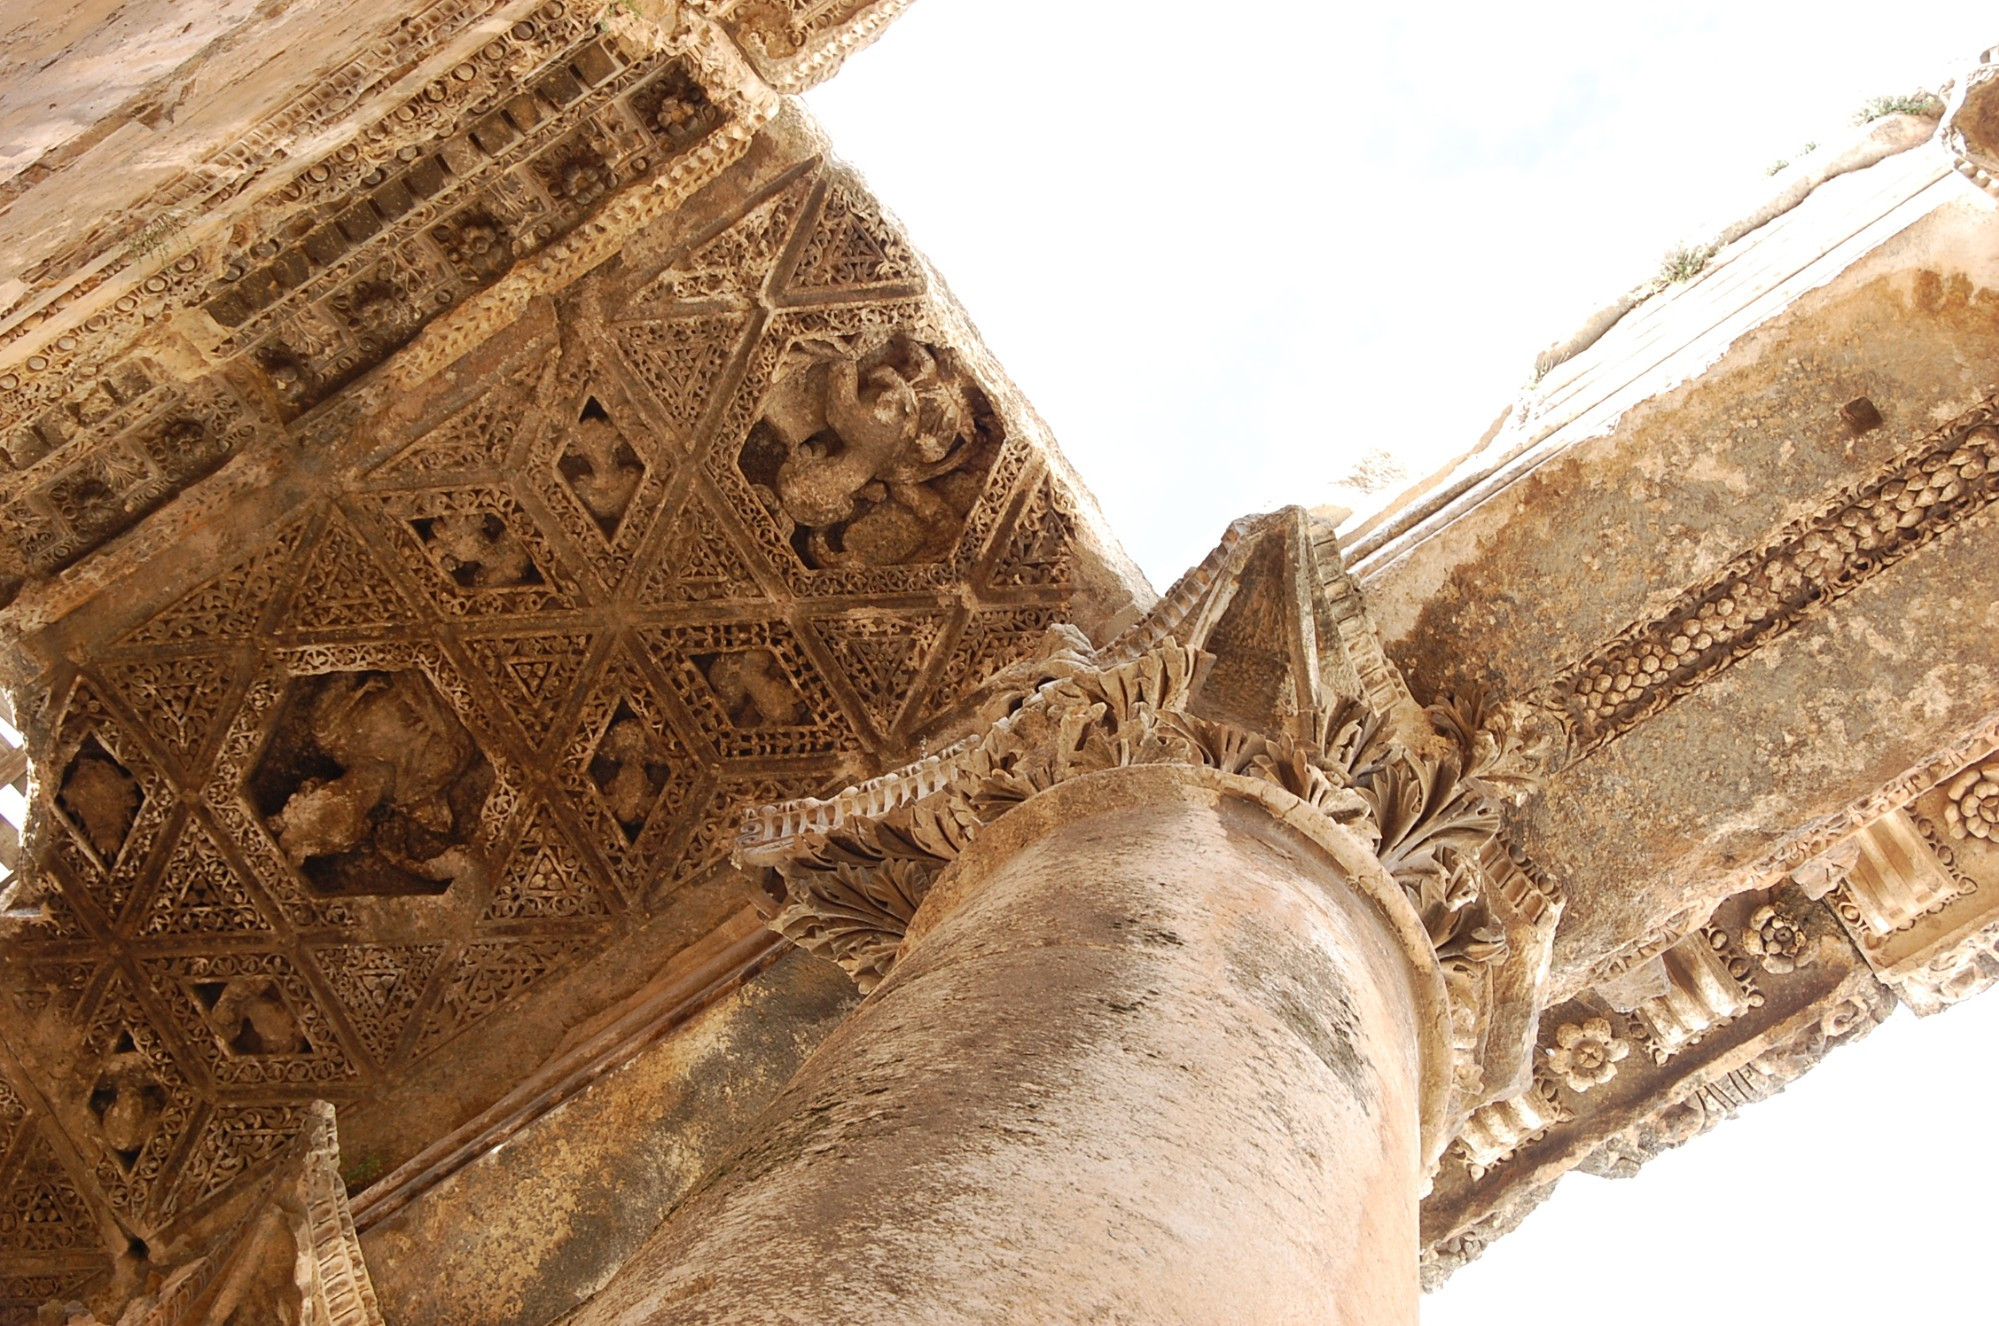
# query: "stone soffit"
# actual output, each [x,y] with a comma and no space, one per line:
[417,565]
[419,549]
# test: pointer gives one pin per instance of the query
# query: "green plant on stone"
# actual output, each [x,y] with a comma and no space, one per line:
[157,236]
[616,7]
[1926,104]
[1685,262]
[360,1172]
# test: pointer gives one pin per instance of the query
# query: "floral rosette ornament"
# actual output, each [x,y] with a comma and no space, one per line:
[1777,940]
[1972,809]
[1587,1056]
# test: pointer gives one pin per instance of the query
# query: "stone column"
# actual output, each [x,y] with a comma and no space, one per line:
[1153,1050]
[1183,969]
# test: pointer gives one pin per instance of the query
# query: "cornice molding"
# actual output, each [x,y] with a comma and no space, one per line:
[1935,485]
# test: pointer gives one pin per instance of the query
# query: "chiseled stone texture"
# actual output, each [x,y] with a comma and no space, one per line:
[531,1229]
[1742,550]
[418,584]
[1154,1059]
[1794,723]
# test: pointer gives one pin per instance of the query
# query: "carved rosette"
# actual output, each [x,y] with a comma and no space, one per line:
[844,877]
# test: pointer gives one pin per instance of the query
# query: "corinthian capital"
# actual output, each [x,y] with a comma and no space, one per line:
[1259,665]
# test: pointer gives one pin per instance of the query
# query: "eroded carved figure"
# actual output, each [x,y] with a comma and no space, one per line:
[478,551]
[405,781]
[601,469]
[127,1100]
[874,448]
[101,797]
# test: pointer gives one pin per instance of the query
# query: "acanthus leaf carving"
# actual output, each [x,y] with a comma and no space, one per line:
[845,875]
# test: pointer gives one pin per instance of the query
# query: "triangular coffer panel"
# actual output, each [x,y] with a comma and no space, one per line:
[225,608]
[536,673]
[683,360]
[699,563]
[850,252]
[732,266]
[882,654]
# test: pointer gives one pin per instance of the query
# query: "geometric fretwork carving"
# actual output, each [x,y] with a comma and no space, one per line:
[1037,551]
[701,563]
[682,359]
[735,261]
[343,586]
[200,893]
[882,653]
[380,984]
[607,481]
[252,1017]
[753,691]
[849,251]
[545,879]
[535,673]
[488,974]
[396,746]
[371,785]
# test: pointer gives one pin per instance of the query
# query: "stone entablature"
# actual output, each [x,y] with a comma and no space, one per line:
[480,157]
[413,738]
[420,550]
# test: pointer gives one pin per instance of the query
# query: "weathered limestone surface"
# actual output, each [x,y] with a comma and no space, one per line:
[1755,520]
[599,1167]
[455,461]
[531,452]
[1147,1056]
[1734,508]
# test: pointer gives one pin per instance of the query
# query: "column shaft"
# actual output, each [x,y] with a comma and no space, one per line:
[1148,1056]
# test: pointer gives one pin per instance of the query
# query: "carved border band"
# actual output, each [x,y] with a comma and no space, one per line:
[1932,487]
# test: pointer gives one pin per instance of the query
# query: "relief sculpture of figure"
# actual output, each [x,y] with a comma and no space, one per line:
[400,752]
[875,451]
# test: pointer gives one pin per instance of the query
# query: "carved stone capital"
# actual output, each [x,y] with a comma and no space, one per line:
[1241,670]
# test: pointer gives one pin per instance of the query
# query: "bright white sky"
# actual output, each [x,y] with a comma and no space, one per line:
[1234,253]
